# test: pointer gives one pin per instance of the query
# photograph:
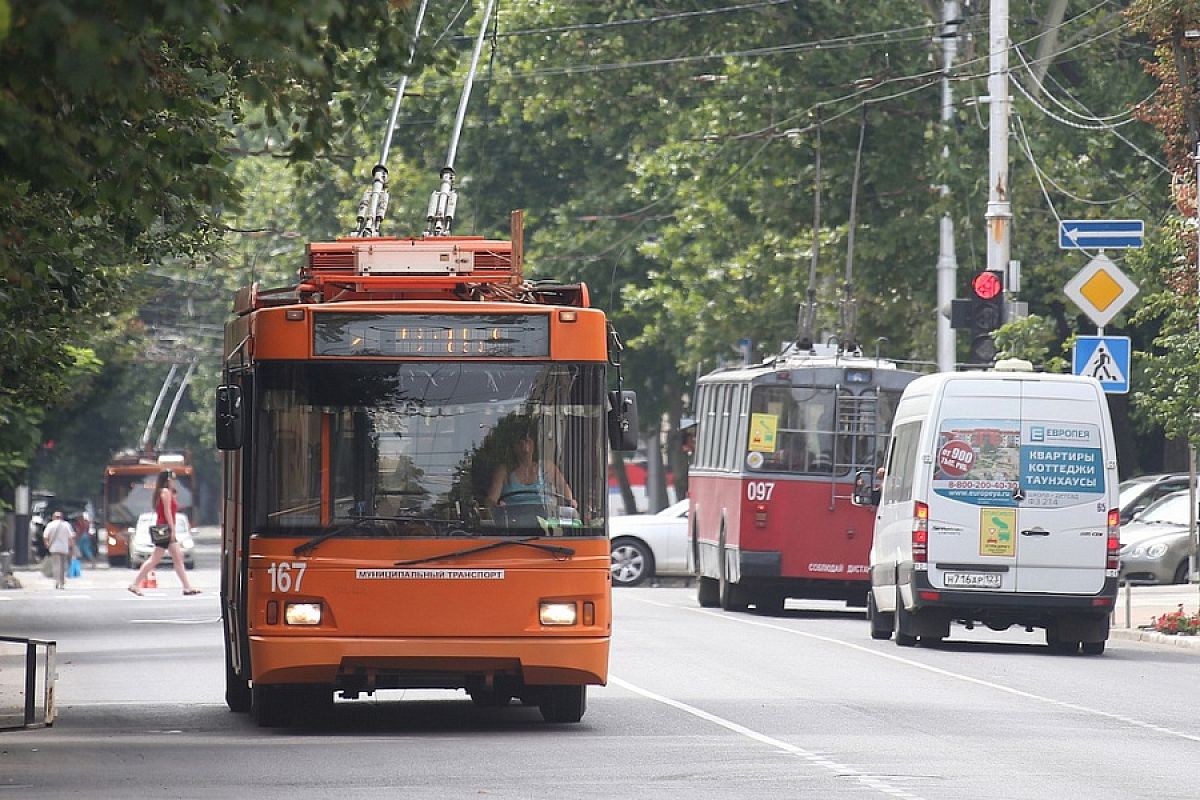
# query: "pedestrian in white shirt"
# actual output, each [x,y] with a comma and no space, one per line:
[59,537]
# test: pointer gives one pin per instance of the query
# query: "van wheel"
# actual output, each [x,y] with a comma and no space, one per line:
[904,623]
[1059,646]
[881,622]
[1092,648]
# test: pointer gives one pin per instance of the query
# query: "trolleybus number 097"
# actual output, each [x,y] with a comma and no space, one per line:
[759,490]
[285,576]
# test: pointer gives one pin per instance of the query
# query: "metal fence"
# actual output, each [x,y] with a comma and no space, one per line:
[27,677]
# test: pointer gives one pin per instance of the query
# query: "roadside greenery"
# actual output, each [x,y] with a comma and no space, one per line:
[158,155]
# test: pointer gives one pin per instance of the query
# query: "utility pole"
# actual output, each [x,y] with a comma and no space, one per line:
[947,263]
[999,207]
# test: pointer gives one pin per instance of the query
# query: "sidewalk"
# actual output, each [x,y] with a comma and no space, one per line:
[1138,605]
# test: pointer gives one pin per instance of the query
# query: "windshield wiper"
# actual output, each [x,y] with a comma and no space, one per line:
[559,552]
[357,522]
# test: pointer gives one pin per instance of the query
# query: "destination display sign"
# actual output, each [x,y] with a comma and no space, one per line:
[349,334]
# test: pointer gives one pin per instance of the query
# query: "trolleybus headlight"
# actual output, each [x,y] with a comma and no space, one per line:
[552,613]
[302,613]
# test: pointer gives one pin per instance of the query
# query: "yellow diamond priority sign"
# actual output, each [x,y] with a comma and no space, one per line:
[1101,290]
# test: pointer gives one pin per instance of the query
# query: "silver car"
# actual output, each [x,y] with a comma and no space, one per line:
[1154,547]
[141,547]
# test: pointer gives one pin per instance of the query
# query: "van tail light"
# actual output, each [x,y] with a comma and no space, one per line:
[920,532]
[1114,542]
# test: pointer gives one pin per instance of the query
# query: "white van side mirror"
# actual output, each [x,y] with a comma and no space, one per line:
[866,490]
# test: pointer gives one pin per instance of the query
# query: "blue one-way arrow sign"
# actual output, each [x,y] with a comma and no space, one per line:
[1100,234]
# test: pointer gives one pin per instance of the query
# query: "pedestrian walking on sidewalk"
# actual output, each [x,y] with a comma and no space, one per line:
[166,506]
[59,537]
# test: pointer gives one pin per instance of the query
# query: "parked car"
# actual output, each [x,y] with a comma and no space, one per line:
[141,546]
[647,545]
[1138,493]
[1154,547]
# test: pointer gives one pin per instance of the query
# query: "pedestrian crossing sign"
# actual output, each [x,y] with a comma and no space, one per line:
[1105,358]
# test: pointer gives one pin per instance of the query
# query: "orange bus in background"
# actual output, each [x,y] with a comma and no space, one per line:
[128,489]
[363,416]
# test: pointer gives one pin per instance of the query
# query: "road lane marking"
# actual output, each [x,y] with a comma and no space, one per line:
[205,621]
[839,770]
[1137,723]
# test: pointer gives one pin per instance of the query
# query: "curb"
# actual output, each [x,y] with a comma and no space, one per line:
[1154,637]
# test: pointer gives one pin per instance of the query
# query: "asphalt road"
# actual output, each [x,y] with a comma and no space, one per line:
[701,704]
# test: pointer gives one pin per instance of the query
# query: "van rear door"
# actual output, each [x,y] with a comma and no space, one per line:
[1062,511]
[975,474]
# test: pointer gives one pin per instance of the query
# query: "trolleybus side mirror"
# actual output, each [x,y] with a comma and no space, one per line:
[623,421]
[866,492]
[229,417]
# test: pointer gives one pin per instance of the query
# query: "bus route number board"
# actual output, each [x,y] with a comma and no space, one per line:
[972,580]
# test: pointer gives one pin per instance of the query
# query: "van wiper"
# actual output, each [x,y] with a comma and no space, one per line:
[559,552]
[355,524]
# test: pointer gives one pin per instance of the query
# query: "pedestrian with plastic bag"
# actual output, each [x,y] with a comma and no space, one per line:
[59,537]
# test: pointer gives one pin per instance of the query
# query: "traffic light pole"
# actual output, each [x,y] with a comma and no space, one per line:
[947,264]
[999,207]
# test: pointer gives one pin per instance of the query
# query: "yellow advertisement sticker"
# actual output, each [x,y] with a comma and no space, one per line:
[997,532]
[763,428]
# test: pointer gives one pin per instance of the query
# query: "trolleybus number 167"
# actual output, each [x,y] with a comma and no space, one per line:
[283,579]
[759,490]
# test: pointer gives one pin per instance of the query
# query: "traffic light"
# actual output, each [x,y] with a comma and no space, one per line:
[986,313]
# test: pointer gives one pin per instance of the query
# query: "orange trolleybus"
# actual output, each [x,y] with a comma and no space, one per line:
[779,447]
[128,490]
[365,416]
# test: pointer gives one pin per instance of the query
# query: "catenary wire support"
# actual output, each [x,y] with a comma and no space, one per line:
[440,217]
[373,206]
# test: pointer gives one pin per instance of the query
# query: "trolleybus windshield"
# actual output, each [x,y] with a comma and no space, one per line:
[412,449]
[130,496]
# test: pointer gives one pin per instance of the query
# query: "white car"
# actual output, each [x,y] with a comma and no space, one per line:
[141,547]
[646,545]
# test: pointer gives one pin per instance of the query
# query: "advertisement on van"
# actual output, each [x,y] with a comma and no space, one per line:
[1007,462]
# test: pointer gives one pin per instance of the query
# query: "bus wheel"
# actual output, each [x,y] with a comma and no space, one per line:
[563,703]
[904,623]
[237,689]
[268,706]
[732,596]
[769,603]
[881,622]
[709,592]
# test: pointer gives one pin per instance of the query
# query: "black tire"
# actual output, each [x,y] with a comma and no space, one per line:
[732,596]
[881,622]
[708,592]
[769,604]
[1061,647]
[1092,648]
[632,561]
[269,707]
[1181,572]
[563,703]
[904,623]
[237,689]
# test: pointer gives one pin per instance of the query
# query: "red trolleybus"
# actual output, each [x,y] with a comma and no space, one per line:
[364,417]
[129,492]
[778,447]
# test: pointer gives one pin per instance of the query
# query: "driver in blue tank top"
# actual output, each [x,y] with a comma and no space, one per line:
[524,480]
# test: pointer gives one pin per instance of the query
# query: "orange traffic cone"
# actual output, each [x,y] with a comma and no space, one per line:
[151,582]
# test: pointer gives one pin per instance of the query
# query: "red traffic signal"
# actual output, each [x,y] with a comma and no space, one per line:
[987,285]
